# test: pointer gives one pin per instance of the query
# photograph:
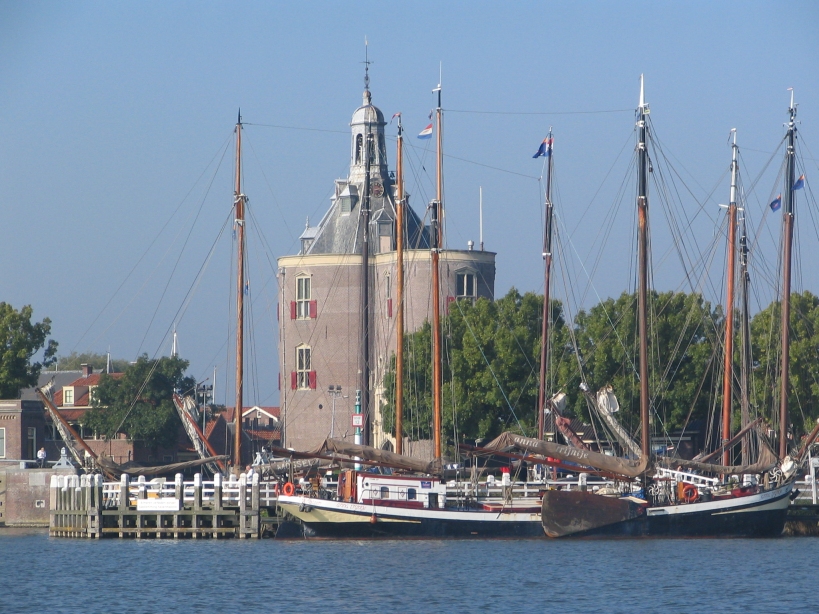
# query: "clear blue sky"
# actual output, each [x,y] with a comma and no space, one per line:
[114,117]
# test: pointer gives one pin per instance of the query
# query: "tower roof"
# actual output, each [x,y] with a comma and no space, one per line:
[368,113]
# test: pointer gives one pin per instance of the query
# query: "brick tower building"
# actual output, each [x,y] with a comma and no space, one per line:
[322,299]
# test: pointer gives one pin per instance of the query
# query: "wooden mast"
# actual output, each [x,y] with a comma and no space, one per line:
[239,222]
[787,249]
[399,279]
[745,336]
[642,291]
[547,261]
[437,240]
[728,373]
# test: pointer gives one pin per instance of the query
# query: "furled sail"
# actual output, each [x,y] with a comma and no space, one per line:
[767,460]
[386,457]
[627,468]
[607,405]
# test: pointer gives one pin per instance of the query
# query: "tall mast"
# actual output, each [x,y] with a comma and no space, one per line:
[745,365]
[239,200]
[547,261]
[787,248]
[437,240]
[399,278]
[728,373]
[642,291]
[364,384]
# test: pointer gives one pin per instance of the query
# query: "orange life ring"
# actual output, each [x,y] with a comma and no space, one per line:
[690,493]
[289,490]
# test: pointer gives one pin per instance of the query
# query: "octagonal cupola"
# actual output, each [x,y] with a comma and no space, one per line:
[368,140]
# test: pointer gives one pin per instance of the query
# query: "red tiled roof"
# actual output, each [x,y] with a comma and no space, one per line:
[94,379]
[263,435]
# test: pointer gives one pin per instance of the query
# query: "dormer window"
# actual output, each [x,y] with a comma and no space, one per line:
[68,396]
[466,285]
[348,198]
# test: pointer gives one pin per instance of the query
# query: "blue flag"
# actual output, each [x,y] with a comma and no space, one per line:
[777,203]
[800,183]
[545,148]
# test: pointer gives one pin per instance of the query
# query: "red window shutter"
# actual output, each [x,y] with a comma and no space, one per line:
[292,310]
[389,307]
[313,310]
[294,380]
[312,378]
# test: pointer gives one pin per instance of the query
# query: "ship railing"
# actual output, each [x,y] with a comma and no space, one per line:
[688,478]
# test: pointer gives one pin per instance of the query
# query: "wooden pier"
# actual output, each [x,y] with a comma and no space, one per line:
[86,506]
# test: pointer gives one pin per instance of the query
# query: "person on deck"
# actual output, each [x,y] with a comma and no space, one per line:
[250,472]
[41,457]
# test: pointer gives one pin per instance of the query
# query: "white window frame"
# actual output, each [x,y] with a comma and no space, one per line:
[462,279]
[303,294]
[304,362]
[68,396]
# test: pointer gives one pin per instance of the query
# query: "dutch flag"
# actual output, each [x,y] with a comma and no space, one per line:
[426,133]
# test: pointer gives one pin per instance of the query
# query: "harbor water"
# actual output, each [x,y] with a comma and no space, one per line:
[42,574]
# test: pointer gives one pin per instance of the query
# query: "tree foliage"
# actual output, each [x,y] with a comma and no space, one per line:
[803,374]
[20,341]
[140,403]
[491,360]
[492,355]
[74,361]
[683,337]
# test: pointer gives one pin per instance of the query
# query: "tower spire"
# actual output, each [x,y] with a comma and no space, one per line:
[366,69]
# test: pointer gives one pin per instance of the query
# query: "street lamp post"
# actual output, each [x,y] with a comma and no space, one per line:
[335,392]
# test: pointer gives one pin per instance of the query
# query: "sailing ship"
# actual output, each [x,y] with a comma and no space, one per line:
[697,506]
[647,495]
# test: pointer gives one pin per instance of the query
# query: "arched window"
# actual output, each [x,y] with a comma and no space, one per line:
[359,142]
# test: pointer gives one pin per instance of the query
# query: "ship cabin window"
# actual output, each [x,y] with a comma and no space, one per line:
[412,494]
[466,286]
[303,298]
[68,396]
[385,492]
[303,367]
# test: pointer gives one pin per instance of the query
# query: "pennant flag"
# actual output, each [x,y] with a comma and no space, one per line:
[800,183]
[545,148]
[777,203]
[426,133]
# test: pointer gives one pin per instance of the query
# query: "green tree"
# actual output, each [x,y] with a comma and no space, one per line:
[491,363]
[682,344]
[140,403]
[20,340]
[803,373]
[74,361]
